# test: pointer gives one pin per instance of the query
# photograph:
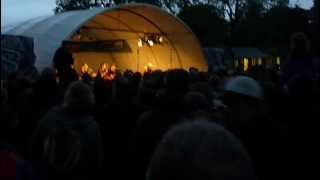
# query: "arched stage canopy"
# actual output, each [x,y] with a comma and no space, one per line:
[120,35]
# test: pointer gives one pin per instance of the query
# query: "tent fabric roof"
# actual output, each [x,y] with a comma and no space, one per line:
[181,49]
[248,52]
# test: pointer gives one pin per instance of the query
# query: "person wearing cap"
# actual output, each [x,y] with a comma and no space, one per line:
[243,96]
[246,118]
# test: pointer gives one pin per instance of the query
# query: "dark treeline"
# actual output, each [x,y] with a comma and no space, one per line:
[221,23]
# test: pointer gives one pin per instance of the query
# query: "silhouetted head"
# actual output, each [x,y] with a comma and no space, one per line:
[62,59]
[124,89]
[128,73]
[204,88]
[177,81]
[137,76]
[200,150]
[195,101]
[243,96]
[78,96]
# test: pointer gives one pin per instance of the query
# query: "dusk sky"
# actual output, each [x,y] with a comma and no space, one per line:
[15,11]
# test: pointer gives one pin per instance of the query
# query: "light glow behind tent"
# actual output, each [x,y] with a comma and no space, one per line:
[236,63]
[254,62]
[278,61]
[259,61]
[245,64]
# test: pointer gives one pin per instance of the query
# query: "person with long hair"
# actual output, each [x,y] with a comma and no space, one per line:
[300,60]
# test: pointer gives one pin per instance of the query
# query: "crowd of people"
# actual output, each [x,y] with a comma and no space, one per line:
[160,125]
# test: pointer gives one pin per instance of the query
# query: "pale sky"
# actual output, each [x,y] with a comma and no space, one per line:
[15,11]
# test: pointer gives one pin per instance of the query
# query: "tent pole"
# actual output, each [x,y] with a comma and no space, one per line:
[138,59]
[170,57]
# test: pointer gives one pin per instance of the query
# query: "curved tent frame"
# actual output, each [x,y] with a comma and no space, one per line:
[128,22]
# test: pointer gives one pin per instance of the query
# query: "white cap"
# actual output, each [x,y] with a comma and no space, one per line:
[244,85]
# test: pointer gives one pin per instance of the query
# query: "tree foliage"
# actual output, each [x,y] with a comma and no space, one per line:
[210,34]
[282,22]
[69,5]
[237,9]
[173,6]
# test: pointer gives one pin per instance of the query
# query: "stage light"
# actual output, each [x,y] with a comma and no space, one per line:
[160,39]
[150,42]
[140,44]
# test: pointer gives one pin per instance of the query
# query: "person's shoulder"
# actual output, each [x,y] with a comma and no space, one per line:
[146,119]
[84,121]
[87,126]
[316,60]
[54,110]
[51,114]
[149,115]
[49,120]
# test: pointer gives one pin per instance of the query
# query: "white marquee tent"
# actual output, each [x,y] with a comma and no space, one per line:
[114,36]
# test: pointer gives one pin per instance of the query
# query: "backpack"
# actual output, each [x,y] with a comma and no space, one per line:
[62,148]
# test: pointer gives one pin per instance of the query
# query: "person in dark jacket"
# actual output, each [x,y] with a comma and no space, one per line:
[151,125]
[57,148]
[12,165]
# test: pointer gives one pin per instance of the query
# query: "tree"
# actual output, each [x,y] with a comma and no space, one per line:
[173,6]
[69,5]
[153,2]
[237,9]
[198,17]
[245,17]
[280,23]
[233,9]
[316,5]
[276,3]
[316,27]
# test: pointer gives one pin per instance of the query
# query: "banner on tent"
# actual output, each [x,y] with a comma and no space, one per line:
[17,55]
[118,46]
